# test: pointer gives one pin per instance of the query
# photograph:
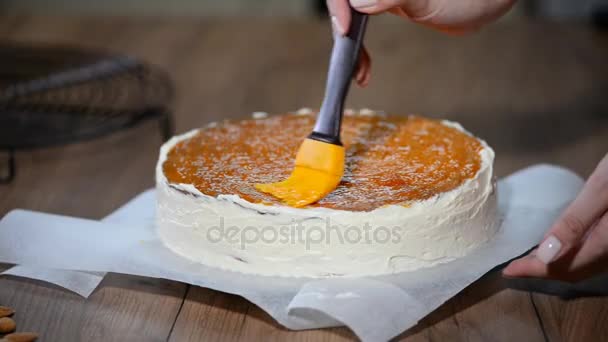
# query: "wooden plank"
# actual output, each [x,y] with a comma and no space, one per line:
[485,311]
[582,319]
[209,315]
[123,308]
[129,308]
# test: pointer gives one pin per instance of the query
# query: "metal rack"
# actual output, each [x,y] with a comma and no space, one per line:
[53,95]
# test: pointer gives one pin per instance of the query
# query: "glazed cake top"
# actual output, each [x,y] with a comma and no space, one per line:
[389,160]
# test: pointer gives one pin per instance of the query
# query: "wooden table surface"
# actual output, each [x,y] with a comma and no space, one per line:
[536,91]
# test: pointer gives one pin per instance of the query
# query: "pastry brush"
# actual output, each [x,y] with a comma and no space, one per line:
[319,164]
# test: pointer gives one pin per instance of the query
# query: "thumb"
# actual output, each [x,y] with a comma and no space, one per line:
[340,15]
[528,266]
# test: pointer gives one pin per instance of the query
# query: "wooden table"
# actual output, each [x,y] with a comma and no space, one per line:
[536,91]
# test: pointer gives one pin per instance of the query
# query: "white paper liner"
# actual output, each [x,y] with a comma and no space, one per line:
[375,308]
[82,283]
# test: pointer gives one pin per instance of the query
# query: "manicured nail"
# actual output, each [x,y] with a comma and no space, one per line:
[363,3]
[337,27]
[548,249]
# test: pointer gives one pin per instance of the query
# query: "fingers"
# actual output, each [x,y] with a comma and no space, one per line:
[339,12]
[455,17]
[576,221]
[379,6]
[577,244]
[363,72]
[577,264]
[421,11]
[592,257]
[398,11]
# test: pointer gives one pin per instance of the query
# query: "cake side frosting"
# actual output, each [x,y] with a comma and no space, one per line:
[231,233]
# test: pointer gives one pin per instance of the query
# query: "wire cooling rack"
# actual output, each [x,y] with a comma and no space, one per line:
[53,95]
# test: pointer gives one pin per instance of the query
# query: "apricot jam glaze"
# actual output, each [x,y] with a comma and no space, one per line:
[389,160]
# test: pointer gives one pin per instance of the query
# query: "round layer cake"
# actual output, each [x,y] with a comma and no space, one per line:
[416,192]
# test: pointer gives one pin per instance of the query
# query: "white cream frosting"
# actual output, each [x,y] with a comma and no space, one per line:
[231,233]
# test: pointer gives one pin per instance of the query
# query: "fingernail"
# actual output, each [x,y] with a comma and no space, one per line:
[363,3]
[547,250]
[337,27]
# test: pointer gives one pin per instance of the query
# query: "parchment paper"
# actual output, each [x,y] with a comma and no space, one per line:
[375,308]
[83,283]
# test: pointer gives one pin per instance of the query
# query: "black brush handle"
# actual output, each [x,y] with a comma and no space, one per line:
[344,59]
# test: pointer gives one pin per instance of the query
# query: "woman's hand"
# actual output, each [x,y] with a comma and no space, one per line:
[576,247]
[450,16]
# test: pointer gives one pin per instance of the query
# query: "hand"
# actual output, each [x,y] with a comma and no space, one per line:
[576,246]
[450,16]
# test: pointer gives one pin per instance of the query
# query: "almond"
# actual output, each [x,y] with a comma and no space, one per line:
[6,311]
[21,337]
[7,325]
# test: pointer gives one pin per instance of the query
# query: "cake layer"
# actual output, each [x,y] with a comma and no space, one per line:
[390,215]
[390,160]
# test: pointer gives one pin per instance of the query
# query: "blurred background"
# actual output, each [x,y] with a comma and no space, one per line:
[90,89]
[561,9]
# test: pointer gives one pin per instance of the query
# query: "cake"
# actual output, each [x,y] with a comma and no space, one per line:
[416,192]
